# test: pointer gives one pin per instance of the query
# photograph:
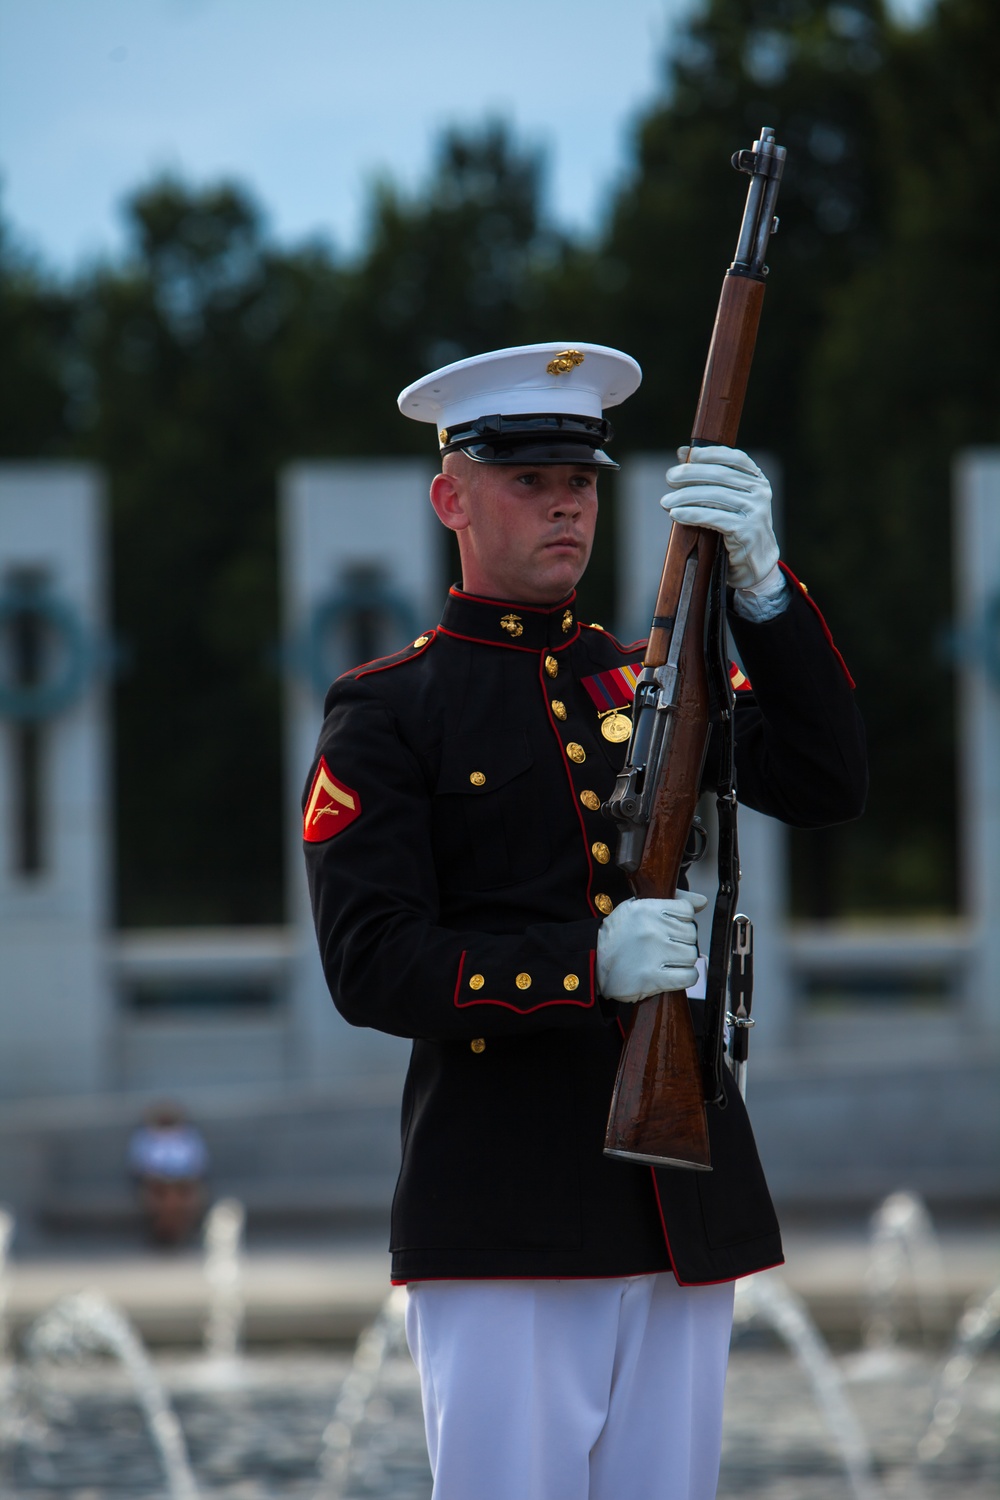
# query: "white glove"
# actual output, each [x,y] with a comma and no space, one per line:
[648,946]
[723,489]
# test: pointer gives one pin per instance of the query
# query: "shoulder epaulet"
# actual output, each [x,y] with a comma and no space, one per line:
[411,652]
[800,588]
[629,650]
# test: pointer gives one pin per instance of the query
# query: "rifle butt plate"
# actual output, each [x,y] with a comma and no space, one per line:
[659,1161]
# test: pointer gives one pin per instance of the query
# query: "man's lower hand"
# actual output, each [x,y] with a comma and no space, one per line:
[648,946]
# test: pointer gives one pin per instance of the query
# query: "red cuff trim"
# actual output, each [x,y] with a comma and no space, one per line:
[518,1009]
[819,615]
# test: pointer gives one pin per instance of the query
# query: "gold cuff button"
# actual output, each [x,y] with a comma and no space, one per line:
[476,982]
[523,981]
[601,853]
[559,709]
[478,1044]
[571,982]
[477,778]
[552,666]
[576,752]
[591,800]
[421,640]
[603,903]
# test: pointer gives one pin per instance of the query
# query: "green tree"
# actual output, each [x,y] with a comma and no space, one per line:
[903,377]
[210,359]
[806,68]
[206,359]
[444,273]
[862,383]
[181,415]
[37,369]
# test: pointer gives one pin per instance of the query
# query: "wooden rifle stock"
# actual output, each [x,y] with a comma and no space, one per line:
[658,1109]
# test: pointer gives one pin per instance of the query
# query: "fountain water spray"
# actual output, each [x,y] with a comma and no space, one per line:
[223,1240]
[976,1329]
[6,1236]
[88,1323]
[770,1299]
[380,1340]
[902,1235]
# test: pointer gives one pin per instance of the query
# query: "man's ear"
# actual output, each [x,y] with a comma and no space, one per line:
[448,500]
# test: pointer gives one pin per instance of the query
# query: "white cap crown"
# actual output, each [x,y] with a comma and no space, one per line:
[557,379]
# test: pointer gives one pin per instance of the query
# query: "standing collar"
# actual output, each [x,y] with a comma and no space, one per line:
[495,622]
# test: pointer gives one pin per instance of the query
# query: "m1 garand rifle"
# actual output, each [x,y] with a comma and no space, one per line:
[658,1109]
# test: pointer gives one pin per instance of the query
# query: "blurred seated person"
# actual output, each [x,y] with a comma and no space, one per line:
[168,1158]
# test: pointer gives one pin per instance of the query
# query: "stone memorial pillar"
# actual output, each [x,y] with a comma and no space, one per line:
[56,1005]
[977,579]
[362,574]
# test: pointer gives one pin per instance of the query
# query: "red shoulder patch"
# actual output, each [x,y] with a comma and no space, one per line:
[330,806]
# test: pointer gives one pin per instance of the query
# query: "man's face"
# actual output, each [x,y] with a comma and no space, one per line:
[525,531]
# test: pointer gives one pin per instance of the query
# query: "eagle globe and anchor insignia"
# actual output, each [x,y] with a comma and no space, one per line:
[512,625]
[564,362]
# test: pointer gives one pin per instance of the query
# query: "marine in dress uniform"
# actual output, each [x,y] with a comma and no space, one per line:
[569,1313]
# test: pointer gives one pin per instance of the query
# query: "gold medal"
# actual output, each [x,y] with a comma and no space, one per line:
[616,727]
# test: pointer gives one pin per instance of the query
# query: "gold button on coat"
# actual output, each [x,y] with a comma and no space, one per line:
[478,1044]
[477,778]
[591,800]
[523,981]
[552,666]
[601,853]
[571,982]
[558,708]
[421,640]
[476,982]
[603,903]
[576,752]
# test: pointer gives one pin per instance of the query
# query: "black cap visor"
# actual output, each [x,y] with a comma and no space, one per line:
[533,438]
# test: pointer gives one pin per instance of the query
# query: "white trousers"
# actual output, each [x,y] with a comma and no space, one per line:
[571,1390]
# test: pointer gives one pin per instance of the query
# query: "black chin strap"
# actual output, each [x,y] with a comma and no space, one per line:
[720,950]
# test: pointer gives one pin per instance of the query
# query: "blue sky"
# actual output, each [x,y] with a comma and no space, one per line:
[303,100]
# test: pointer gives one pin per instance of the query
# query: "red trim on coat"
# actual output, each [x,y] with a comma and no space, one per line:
[478,640]
[519,1010]
[663,1226]
[819,615]
[655,1191]
[366,669]
[639,645]
[719,1280]
[572,788]
[531,609]
[610,1276]
[626,1276]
